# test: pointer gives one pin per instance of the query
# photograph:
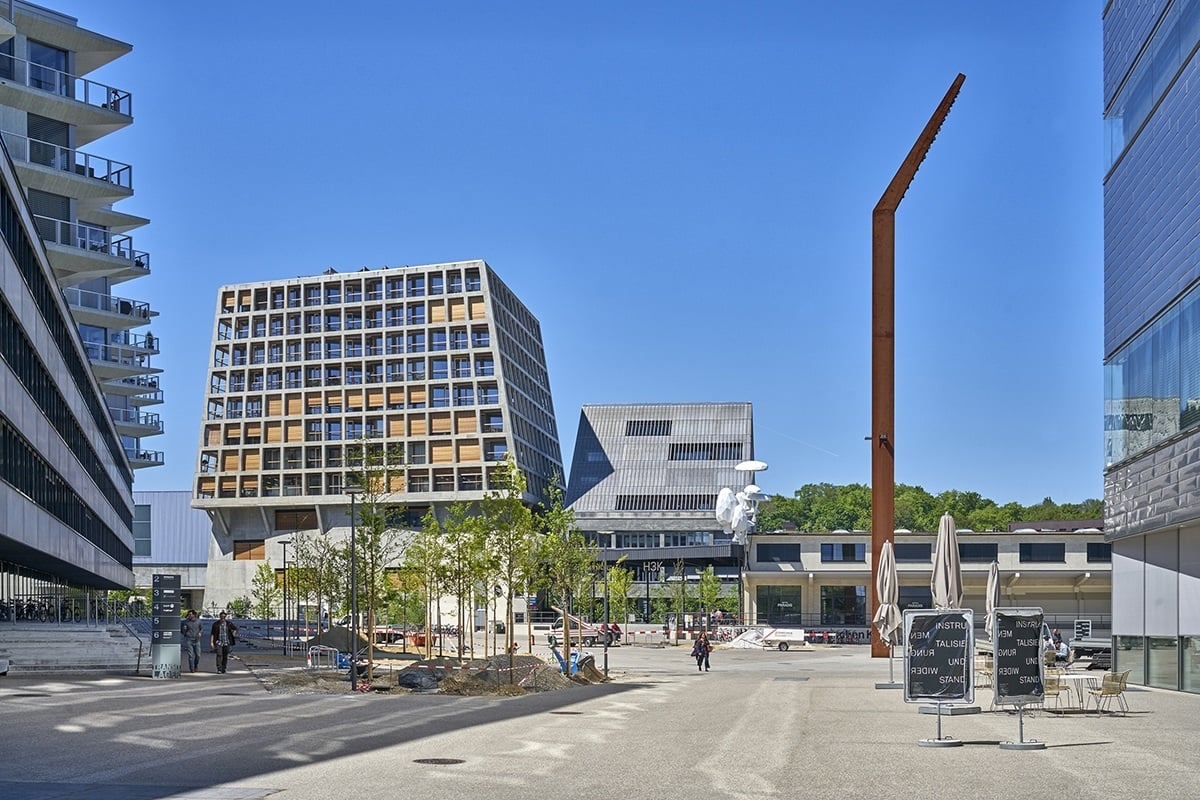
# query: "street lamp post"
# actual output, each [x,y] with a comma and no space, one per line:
[607,627]
[285,543]
[353,491]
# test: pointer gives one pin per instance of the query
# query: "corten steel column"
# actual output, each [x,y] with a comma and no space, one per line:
[883,347]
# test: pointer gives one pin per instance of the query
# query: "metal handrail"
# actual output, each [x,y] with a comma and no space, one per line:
[65,85]
[66,159]
[92,238]
[102,301]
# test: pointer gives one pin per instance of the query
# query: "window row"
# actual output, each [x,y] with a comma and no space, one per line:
[922,552]
[411,481]
[339,347]
[275,459]
[400,371]
[344,319]
[349,290]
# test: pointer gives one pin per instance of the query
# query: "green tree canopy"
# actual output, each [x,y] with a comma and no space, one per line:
[826,507]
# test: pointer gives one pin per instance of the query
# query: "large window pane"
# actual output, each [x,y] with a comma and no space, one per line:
[1191,664]
[1163,662]
[1129,656]
[778,605]
[843,605]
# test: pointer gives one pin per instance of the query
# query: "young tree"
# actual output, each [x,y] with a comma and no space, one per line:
[620,582]
[462,548]
[567,556]
[264,588]
[512,538]
[679,595]
[425,560]
[377,544]
[709,592]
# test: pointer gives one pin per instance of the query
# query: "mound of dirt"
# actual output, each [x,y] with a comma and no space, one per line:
[493,676]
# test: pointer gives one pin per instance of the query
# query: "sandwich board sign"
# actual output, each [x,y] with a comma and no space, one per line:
[1018,670]
[1017,667]
[937,655]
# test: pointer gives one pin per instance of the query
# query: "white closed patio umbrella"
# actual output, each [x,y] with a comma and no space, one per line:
[888,621]
[993,596]
[946,583]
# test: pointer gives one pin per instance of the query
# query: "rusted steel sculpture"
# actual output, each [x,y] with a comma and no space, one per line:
[883,345]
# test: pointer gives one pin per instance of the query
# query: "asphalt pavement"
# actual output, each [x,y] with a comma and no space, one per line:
[761,724]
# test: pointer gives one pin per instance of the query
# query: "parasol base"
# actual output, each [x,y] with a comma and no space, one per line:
[1032,745]
[939,742]
[889,685]
[951,711]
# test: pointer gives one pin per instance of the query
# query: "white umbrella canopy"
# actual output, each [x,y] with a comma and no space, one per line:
[993,596]
[946,584]
[888,620]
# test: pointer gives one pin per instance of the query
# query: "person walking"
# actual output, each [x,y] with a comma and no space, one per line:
[700,651]
[223,637]
[191,629]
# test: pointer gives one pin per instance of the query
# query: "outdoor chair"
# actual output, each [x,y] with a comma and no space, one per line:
[1112,685]
[983,671]
[1052,687]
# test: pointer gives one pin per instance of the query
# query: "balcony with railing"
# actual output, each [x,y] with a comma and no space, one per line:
[117,360]
[129,419]
[144,458]
[77,247]
[94,176]
[101,308]
[142,390]
[78,90]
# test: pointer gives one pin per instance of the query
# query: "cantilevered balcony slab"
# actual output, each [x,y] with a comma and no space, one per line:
[107,311]
[92,50]
[95,109]
[115,221]
[142,390]
[92,180]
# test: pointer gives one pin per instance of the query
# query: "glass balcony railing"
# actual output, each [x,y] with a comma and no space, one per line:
[129,416]
[145,458]
[100,301]
[72,87]
[92,238]
[22,148]
[118,355]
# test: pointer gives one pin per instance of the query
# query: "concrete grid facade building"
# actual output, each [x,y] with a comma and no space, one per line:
[74,375]
[442,361]
[644,483]
[1152,337]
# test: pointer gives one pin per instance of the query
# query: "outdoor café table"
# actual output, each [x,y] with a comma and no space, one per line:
[1081,682]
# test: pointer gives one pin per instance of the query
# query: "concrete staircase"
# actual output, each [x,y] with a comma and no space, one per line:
[36,648]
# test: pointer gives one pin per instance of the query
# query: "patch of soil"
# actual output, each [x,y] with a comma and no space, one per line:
[490,677]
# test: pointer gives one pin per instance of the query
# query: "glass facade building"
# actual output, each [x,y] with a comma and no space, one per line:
[1152,337]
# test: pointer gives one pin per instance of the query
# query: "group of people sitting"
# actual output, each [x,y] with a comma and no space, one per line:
[1054,643]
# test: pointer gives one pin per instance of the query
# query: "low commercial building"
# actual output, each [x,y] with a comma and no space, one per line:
[817,580]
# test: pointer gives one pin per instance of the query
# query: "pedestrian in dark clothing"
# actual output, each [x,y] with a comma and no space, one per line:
[700,651]
[191,628]
[224,636]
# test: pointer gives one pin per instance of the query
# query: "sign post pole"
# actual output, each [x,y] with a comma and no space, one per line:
[937,664]
[1018,668]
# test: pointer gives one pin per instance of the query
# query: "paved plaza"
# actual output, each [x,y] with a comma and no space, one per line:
[762,724]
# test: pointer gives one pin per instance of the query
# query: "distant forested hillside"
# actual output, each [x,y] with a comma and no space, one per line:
[825,507]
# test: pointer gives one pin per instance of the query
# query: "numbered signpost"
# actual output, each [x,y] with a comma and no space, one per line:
[937,662]
[1018,666]
[165,637]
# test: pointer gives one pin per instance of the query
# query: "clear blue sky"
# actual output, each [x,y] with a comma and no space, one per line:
[680,192]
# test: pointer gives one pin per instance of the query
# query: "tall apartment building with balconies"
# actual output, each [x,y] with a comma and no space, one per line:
[73,376]
[52,118]
[442,361]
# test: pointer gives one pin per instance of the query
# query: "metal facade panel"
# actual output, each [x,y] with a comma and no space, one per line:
[1152,216]
[179,534]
